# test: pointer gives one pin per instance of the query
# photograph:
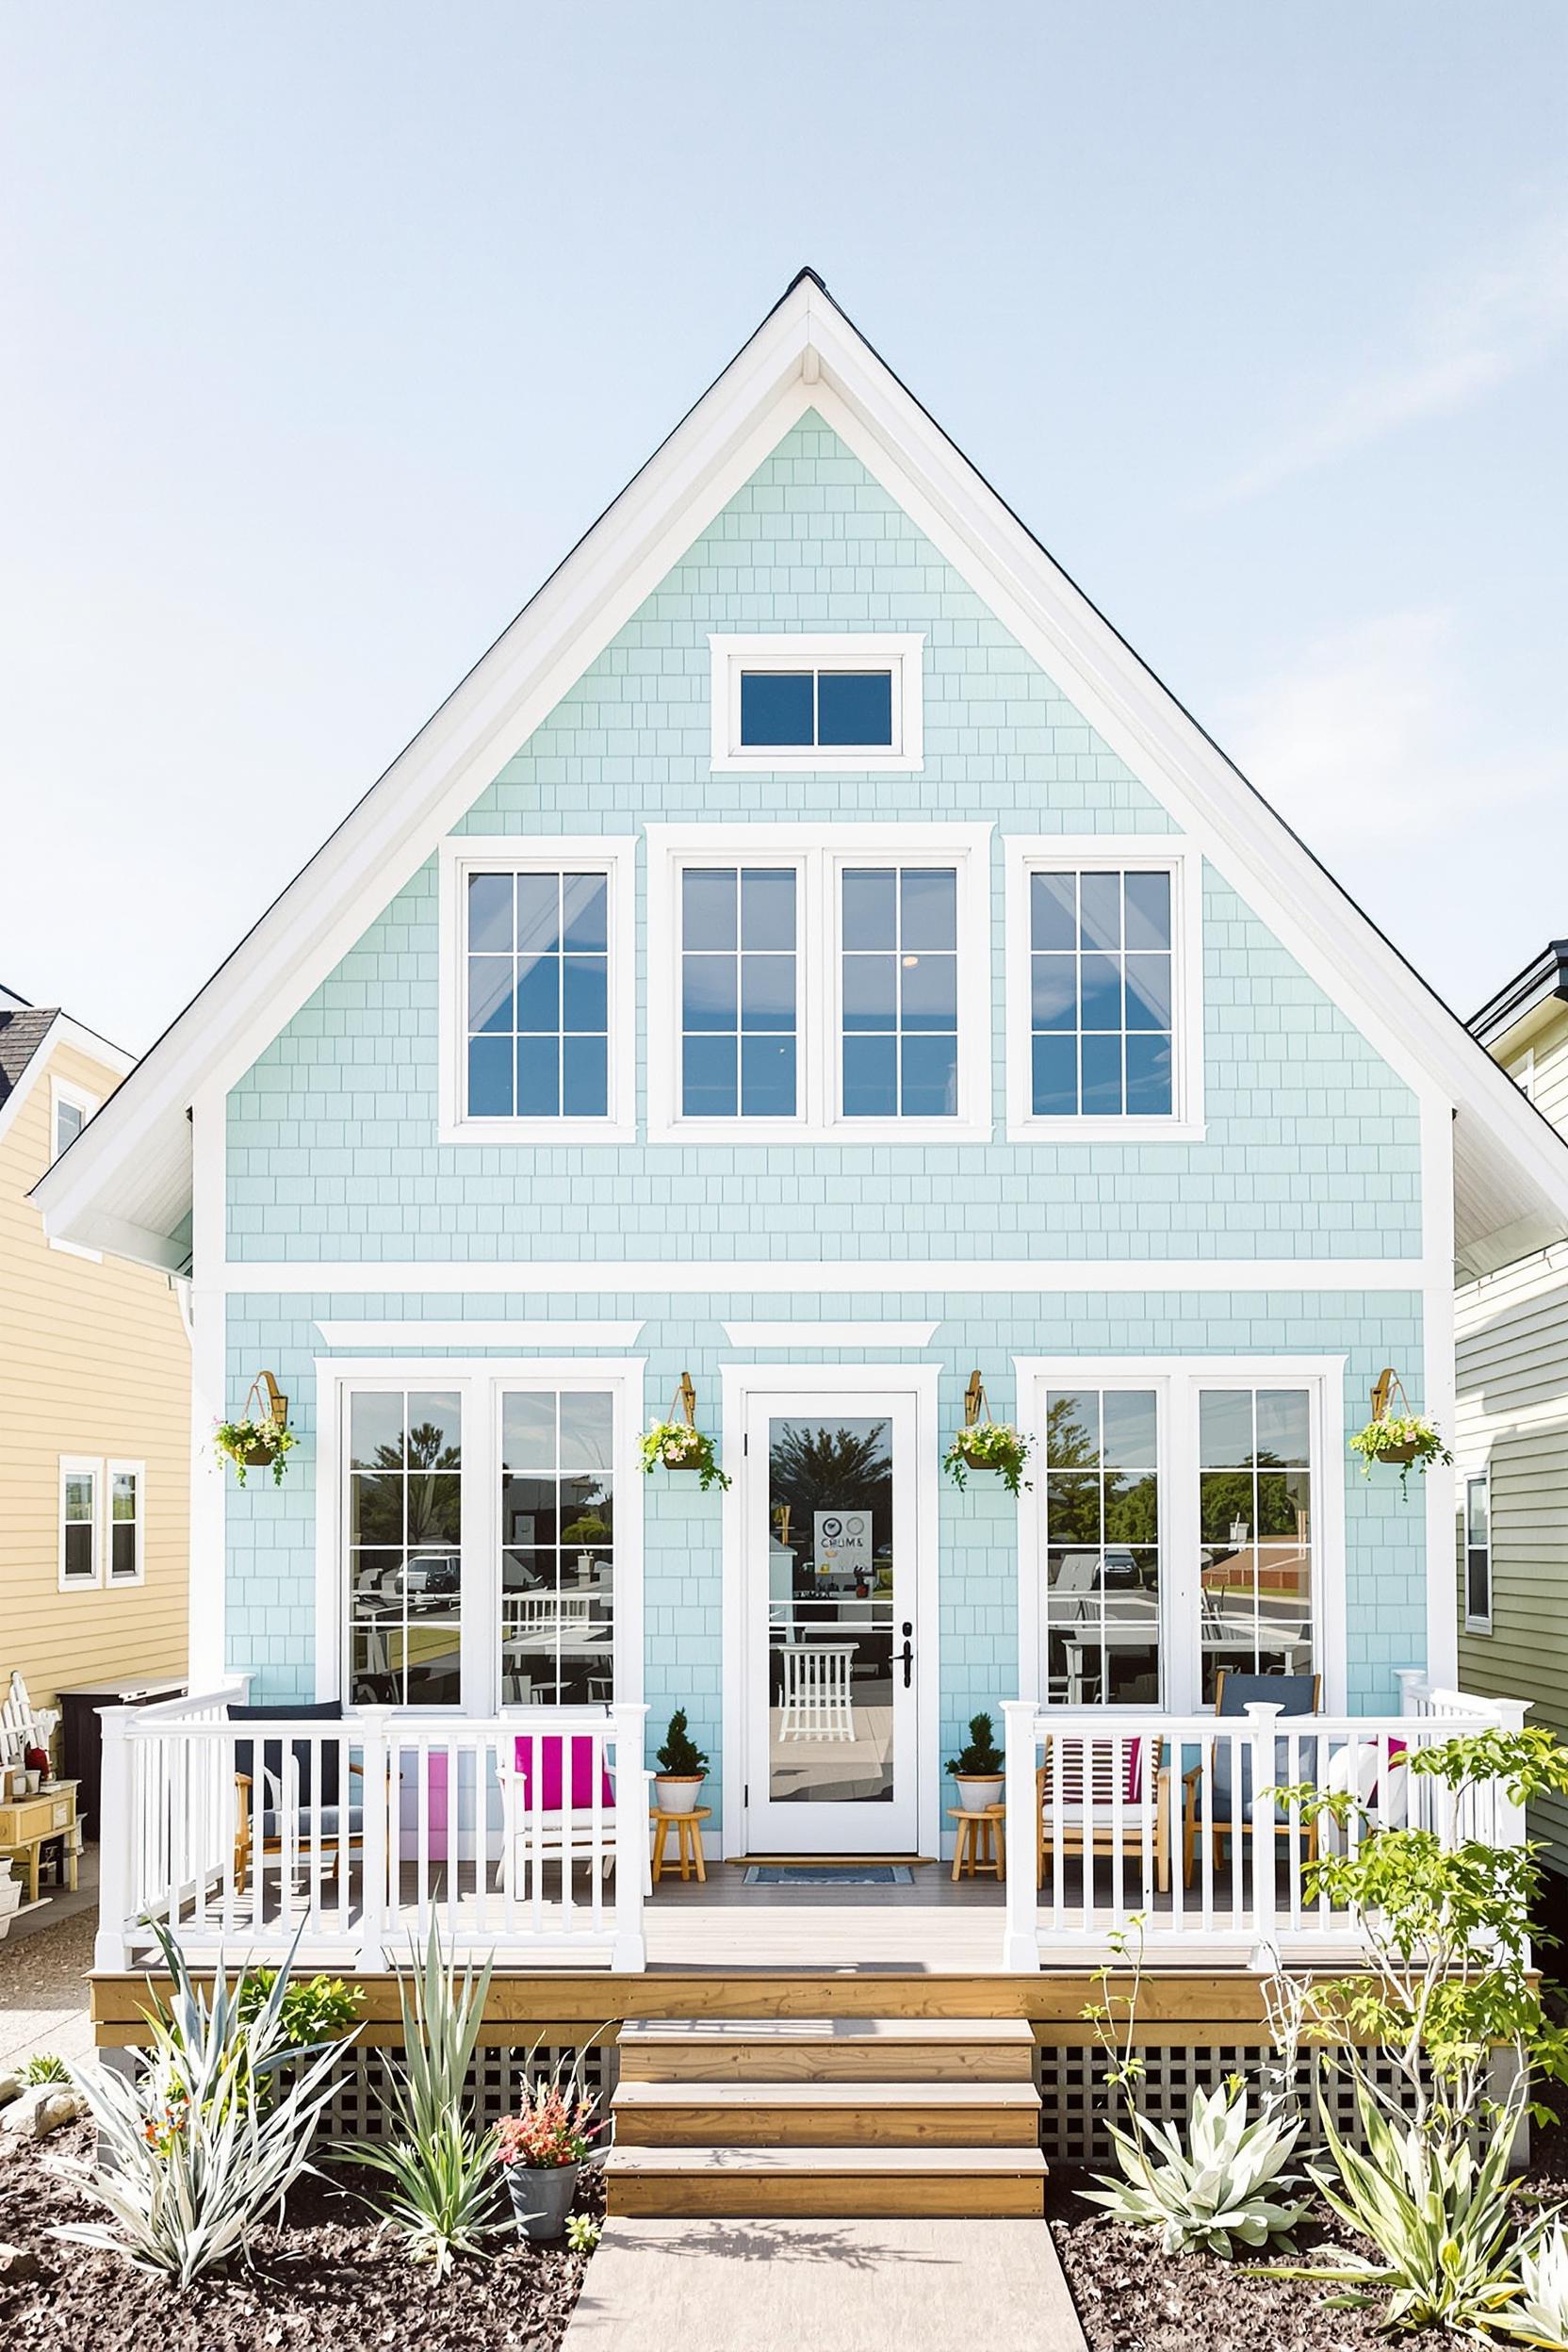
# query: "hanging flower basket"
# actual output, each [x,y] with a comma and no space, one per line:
[261,1438]
[679,1444]
[989,1445]
[1406,1441]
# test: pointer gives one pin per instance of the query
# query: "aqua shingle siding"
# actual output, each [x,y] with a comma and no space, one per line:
[1312,1150]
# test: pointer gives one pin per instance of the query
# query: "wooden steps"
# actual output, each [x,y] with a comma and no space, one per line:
[873,2118]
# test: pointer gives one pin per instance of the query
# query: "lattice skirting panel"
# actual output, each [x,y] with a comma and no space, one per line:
[1078,2101]
[356,2109]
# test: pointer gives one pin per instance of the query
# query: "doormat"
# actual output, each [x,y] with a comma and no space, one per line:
[828,1874]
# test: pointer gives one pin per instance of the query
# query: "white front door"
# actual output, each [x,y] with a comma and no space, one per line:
[828,1506]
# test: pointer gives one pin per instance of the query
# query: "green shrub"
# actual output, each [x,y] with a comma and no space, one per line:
[45,2068]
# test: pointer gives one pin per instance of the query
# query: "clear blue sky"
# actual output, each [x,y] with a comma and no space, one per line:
[327,329]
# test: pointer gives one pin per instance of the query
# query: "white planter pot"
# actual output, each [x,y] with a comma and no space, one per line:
[677,1792]
[975,1794]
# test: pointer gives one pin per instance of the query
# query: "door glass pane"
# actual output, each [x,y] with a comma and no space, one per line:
[1102,1547]
[1254,1509]
[405,1555]
[832,1636]
[558,1547]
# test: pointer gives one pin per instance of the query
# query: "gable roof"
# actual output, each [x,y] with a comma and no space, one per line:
[124,1185]
[29,1035]
[1544,978]
[23,1030]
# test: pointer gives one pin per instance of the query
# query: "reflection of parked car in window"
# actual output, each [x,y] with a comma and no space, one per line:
[430,1576]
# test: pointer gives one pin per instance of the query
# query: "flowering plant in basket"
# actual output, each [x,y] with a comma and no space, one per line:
[1403,1440]
[553,2128]
[677,1446]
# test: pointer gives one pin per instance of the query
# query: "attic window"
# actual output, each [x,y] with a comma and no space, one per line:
[816,702]
[70,1110]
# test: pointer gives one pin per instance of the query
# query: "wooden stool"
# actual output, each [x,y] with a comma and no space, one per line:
[979,1847]
[688,1841]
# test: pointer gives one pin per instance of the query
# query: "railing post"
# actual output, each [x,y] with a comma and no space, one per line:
[1509,1818]
[117,1829]
[372,1722]
[1020,1947]
[1412,1690]
[1261,1726]
[629,1952]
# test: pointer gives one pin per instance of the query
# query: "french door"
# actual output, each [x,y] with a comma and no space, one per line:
[831,1632]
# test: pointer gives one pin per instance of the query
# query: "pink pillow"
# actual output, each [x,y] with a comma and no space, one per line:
[549,1748]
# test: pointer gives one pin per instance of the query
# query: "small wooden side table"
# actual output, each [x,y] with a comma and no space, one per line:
[28,1825]
[688,1841]
[979,1848]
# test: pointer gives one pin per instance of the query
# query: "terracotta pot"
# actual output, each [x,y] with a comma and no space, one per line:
[978,1791]
[677,1792]
[540,2199]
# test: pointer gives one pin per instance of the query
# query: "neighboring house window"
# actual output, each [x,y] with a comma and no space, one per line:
[1103,1014]
[794,702]
[558,1538]
[1175,1530]
[539,1019]
[406,1546]
[818,984]
[80,1489]
[739,993]
[70,1110]
[1478,1553]
[127,1483]
[899,992]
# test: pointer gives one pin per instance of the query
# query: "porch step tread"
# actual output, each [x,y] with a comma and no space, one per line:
[782,2161]
[828,2030]
[901,2094]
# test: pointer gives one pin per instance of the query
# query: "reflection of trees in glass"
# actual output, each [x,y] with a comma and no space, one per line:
[426,1465]
[813,1468]
[1067,1445]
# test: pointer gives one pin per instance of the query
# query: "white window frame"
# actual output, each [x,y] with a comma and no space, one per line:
[65,1095]
[479,1381]
[820,854]
[902,654]
[118,1466]
[613,855]
[1140,852]
[1178,1382]
[1476,1477]
[78,1466]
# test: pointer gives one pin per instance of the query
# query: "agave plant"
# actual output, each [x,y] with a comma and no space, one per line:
[1440,2218]
[200,2149]
[1540,2316]
[444,2183]
[1222,2188]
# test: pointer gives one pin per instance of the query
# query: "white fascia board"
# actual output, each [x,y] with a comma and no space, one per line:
[772,1278]
[816,1335]
[476,1332]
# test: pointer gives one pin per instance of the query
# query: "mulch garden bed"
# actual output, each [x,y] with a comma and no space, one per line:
[324,2278]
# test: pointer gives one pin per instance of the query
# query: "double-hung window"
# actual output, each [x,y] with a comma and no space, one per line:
[1180,1530]
[70,1108]
[538,1016]
[1104,994]
[822,983]
[1478,1553]
[81,1486]
[102,1521]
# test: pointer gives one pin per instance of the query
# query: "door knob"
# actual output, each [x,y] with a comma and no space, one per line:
[906,1656]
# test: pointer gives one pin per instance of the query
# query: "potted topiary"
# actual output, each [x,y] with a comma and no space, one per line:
[542,2149]
[683,1767]
[978,1771]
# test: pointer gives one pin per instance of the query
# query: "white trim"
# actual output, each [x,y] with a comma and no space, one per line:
[824,1335]
[478,1381]
[113,1468]
[81,1466]
[613,855]
[477,1332]
[819,854]
[739,1382]
[1476,1477]
[902,655]
[1040,1277]
[1178,1382]
[209,1316]
[1143,853]
[1440,1393]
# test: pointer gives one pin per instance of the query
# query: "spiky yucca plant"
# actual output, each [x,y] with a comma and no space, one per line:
[1218,2190]
[1540,2315]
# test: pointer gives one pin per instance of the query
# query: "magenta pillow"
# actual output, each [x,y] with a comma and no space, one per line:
[551,1800]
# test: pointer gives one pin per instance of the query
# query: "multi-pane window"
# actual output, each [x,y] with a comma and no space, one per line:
[125,1522]
[739,992]
[1101,993]
[537,975]
[405,1558]
[558,1546]
[79,1522]
[899,992]
[1478,1553]
[825,709]
[1255,1532]
[1102,1546]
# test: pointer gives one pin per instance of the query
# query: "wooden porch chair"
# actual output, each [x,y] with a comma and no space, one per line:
[1076,1786]
[562,1829]
[273,1792]
[1206,1789]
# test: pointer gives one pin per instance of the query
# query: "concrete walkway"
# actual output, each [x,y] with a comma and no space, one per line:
[831,2286]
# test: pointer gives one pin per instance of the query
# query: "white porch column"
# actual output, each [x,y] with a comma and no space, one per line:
[1020,1942]
[630,1951]
[1262,1721]
[371,1724]
[117,1831]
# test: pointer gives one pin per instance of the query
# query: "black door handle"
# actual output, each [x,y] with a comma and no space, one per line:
[907,1656]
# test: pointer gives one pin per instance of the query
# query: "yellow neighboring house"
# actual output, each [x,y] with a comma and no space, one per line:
[95,1401]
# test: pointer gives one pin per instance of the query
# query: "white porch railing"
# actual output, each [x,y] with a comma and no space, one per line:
[525,1835]
[1114,1815]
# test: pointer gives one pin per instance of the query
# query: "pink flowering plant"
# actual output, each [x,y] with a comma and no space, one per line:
[553,2128]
